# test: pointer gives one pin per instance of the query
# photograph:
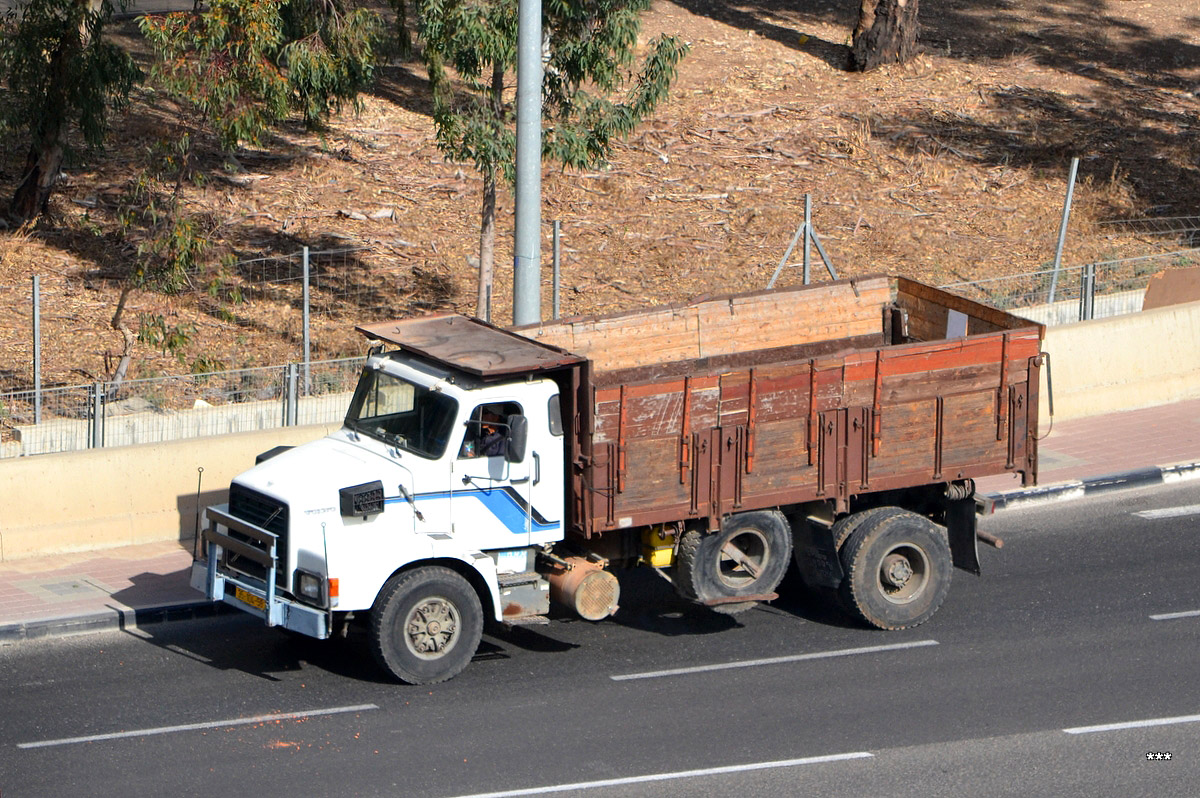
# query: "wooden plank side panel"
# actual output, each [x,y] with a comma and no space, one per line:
[723,326]
[908,436]
[981,318]
[910,387]
[652,477]
[969,432]
[652,416]
[825,313]
[780,459]
[783,399]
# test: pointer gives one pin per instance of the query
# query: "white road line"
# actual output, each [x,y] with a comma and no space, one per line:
[1170,616]
[216,724]
[1134,724]
[753,663]
[1169,512]
[681,774]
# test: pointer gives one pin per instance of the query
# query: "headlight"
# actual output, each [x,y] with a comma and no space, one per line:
[310,588]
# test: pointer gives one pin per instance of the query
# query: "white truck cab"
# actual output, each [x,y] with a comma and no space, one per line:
[429,506]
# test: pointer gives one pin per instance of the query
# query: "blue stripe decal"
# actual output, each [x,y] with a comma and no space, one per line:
[504,503]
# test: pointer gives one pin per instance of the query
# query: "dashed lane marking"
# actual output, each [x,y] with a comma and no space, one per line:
[1171,616]
[215,724]
[1134,724]
[679,774]
[754,663]
[1169,512]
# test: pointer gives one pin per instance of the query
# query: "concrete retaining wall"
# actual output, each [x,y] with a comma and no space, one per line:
[1124,362]
[101,498]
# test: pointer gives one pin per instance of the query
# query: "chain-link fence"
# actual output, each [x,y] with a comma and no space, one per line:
[1185,229]
[327,283]
[174,408]
[1092,291]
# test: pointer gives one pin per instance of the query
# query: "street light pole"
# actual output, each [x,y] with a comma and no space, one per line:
[527,245]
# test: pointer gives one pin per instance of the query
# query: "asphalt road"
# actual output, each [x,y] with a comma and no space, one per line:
[1058,672]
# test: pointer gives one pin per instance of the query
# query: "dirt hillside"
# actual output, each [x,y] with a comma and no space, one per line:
[953,167]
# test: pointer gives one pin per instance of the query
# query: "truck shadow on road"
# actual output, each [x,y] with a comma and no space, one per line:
[233,642]
[654,606]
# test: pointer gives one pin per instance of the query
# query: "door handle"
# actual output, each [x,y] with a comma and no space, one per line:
[537,468]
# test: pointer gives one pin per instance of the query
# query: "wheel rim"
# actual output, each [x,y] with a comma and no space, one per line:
[903,573]
[431,628]
[743,558]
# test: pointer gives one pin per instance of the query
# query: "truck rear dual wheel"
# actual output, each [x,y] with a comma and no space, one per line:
[897,566]
[747,557]
[426,625]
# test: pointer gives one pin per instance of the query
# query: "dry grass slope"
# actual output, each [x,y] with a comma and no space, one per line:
[952,167]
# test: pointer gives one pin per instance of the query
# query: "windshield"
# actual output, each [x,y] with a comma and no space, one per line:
[402,413]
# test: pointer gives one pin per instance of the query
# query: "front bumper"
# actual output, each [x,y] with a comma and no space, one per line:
[247,593]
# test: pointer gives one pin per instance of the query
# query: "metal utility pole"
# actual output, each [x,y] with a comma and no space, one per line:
[1062,228]
[527,288]
[37,349]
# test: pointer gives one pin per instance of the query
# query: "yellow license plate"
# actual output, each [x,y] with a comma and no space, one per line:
[249,598]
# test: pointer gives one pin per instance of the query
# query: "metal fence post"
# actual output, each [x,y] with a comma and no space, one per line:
[1062,228]
[290,389]
[801,230]
[557,273]
[1087,292]
[37,349]
[307,339]
[96,416]
[807,238]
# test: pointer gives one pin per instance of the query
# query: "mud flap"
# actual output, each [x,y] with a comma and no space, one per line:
[960,526]
[815,555]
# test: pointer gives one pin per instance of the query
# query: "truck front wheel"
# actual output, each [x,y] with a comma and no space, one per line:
[897,568]
[426,625]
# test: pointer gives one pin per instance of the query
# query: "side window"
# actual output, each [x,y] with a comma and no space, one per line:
[487,430]
[555,413]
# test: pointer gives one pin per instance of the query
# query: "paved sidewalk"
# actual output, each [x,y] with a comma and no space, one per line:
[131,585]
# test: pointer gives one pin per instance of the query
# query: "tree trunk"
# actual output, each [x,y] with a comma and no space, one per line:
[44,161]
[127,334]
[487,248]
[487,227]
[42,166]
[886,33]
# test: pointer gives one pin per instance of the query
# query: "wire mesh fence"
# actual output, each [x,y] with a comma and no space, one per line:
[1183,228]
[174,408]
[327,283]
[1091,291]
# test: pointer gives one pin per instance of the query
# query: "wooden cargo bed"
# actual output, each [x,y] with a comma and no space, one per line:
[778,398]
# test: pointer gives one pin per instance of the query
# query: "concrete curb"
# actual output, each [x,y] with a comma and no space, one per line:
[112,619]
[1078,488]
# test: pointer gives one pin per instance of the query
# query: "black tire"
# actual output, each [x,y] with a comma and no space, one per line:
[898,568]
[426,625]
[842,529]
[748,557]
[847,525]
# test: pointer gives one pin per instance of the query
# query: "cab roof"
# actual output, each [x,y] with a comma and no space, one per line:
[470,345]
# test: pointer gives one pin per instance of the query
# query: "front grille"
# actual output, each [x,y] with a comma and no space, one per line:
[266,513]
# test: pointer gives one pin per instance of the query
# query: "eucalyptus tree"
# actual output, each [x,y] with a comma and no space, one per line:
[60,74]
[596,87]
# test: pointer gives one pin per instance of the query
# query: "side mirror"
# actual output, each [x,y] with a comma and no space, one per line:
[518,436]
